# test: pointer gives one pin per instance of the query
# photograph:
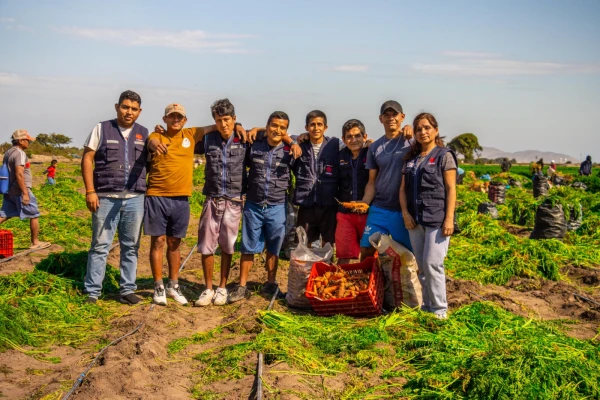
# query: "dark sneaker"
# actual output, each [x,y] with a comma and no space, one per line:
[130,299]
[270,288]
[91,300]
[240,293]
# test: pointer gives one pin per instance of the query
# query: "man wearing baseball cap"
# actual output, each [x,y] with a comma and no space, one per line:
[385,158]
[20,201]
[167,209]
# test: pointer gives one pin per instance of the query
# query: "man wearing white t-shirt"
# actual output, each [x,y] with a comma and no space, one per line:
[114,173]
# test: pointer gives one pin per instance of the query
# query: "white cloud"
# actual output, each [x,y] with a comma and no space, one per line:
[470,54]
[492,65]
[10,79]
[351,68]
[5,20]
[188,40]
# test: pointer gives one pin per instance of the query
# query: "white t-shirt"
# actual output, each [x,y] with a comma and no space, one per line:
[93,142]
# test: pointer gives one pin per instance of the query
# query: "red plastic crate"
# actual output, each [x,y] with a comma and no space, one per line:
[6,243]
[368,303]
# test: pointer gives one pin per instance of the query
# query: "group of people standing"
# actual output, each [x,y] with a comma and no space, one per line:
[135,179]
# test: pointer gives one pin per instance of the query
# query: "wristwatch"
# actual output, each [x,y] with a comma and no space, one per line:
[293,142]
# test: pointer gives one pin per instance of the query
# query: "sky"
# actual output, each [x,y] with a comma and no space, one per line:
[521,75]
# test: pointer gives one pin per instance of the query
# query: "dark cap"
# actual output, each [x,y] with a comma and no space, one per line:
[394,105]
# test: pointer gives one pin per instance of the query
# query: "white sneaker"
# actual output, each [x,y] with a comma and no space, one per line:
[220,297]
[205,298]
[160,296]
[175,294]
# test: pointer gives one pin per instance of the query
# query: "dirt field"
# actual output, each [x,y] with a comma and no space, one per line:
[139,367]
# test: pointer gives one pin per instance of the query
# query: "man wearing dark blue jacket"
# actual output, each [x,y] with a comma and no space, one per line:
[263,219]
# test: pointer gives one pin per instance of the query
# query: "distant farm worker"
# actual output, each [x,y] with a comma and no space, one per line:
[264,216]
[167,208]
[113,167]
[586,167]
[19,201]
[51,173]
[505,166]
[552,169]
[225,183]
[353,178]
[428,199]
[316,173]
[384,162]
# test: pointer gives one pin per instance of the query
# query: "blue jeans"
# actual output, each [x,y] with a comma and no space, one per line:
[262,226]
[126,215]
[50,181]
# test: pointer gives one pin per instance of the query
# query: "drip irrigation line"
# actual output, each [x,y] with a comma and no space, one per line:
[586,299]
[259,369]
[82,376]
[188,257]
[24,252]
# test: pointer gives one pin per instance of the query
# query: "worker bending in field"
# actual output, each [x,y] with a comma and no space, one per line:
[114,173]
[385,158]
[19,200]
[264,213]
[167,208]
[353,178]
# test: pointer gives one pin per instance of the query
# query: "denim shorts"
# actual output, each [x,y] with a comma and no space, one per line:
[166,216]
[263,226]
[13,207]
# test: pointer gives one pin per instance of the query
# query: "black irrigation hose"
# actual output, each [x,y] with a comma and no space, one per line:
[259,369]
[82,376]
[24,252]
[586,299]
[188,257]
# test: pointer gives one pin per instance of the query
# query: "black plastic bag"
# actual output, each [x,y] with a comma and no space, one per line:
[579,185]
[550,222]
[540,186]
[575,222]
[497,192]
[515,183]
[488,208]
[558,180]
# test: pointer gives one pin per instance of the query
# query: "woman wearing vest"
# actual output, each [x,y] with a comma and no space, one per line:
[428,199]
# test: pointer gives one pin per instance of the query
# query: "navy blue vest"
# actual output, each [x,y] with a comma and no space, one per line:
[269,176]
[353,177]
[425,189]
[119,164]
[317,180]
[225,172]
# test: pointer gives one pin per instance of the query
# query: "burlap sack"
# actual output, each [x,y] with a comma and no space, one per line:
[400,270]
[301,262]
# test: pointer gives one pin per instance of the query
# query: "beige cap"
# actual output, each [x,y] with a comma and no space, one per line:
[22,134]
[175,108]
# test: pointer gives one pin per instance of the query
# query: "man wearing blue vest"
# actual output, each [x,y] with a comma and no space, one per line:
[114,173]
[316,173]
[385,159]
[264,214]
[225,180]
